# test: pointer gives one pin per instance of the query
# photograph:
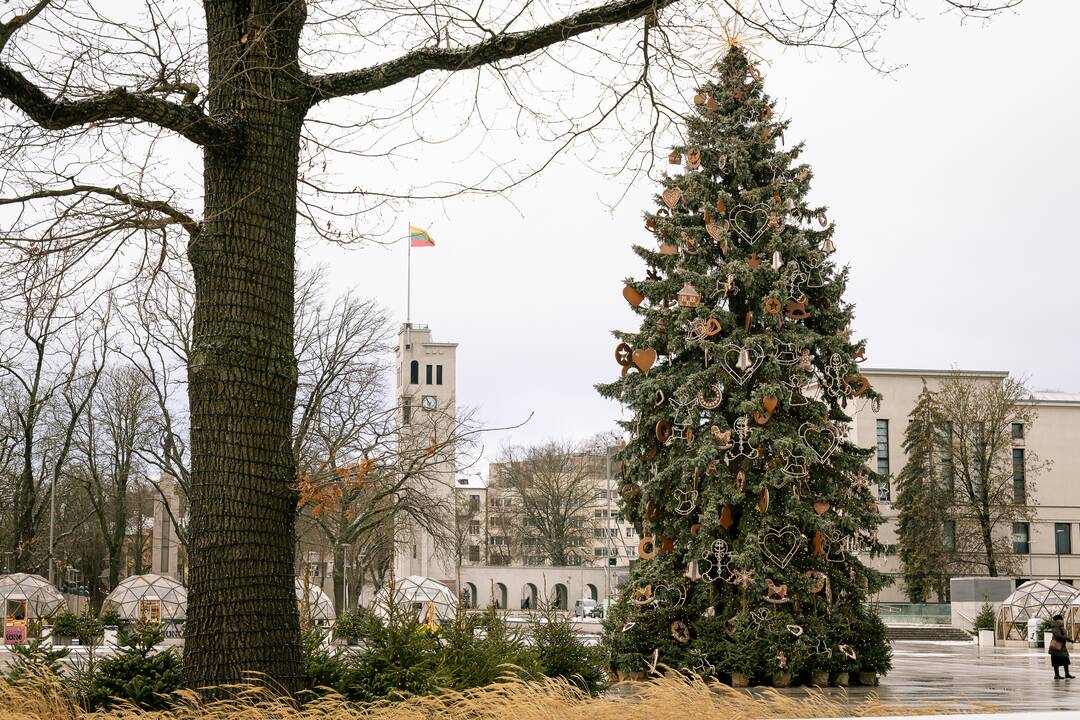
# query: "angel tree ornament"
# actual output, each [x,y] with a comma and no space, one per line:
[741,476]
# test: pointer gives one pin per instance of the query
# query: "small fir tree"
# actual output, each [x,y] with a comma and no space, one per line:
[750,500]
[923,501]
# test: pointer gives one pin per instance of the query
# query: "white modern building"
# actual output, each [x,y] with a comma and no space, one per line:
[1050,543]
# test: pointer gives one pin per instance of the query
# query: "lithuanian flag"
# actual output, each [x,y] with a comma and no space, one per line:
[420,238]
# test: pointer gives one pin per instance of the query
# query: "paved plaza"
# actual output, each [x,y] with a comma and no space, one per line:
[965,676]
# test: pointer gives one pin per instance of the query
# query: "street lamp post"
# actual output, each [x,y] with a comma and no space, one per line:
[1057,547]
[345,571]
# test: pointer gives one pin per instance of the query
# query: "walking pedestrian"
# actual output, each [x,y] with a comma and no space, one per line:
[1059,647]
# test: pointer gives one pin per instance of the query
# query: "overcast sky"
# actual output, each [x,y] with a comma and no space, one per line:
[951,183]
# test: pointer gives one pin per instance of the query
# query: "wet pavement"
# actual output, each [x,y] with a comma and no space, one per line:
[965,676]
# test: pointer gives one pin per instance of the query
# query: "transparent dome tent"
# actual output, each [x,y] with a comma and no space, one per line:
[319,606]
[1040,599]
[28,597]
[432,601]
[148,597]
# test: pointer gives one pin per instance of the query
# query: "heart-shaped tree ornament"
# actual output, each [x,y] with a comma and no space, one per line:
[820,439]
[715,232]
[672,196]
[857,384]
[821,507]
[644,359]
[729,360]
[750,222]
[633,296]
[780,546]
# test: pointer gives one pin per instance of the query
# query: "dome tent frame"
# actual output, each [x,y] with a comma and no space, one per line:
[318,606]
[1040,599]
[432,601]
[150,596]
[42,599]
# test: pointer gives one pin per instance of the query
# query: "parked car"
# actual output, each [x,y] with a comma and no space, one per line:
[588,608]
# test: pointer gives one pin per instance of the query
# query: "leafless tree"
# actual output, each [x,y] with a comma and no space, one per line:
[107,463]
[552,493]
[50,362]
[989,491]
[106,91]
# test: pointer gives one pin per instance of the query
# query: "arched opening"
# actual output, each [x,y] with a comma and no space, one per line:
[414,372]
[591,589]
[499,596]
[469,593]
[528,597]
[562,597]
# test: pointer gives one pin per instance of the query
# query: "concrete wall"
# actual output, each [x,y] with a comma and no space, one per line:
[969,593]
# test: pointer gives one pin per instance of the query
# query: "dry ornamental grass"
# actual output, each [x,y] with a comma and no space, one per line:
[662,699]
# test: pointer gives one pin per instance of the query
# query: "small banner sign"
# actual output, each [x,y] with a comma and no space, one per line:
[14,635]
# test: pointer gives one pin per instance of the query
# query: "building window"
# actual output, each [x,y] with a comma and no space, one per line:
[1019,487]
[414,372]
[474,527]
[474,503]
[1063,538]
[438,374]
[601,494]
[406,411]
[949,535]
[1021,538]
[427,375]
[1018,431]
[884,493]
[474,553]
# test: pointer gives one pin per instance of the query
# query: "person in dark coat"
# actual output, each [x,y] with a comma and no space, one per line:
[1059,647]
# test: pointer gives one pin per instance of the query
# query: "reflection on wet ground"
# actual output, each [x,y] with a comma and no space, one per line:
[966,675]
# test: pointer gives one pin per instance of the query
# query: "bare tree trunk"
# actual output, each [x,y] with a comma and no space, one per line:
[243,369]
[988,544]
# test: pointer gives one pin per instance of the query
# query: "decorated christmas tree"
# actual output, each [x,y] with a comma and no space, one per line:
[751,502]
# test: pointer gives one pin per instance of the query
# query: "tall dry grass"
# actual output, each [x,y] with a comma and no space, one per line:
[662,699]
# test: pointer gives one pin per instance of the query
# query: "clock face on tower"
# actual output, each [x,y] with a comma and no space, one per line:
[428,402]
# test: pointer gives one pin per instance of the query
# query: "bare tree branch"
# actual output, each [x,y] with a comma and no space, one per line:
[501,47]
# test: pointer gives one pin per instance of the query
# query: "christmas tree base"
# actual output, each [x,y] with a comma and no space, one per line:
[868,678]
[819,679]
[739,680]
[781,680]
[840,679]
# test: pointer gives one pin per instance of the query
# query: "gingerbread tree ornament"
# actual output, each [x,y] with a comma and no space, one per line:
[753,507]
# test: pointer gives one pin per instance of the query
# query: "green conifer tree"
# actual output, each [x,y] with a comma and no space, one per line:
[922,500]
[751,502]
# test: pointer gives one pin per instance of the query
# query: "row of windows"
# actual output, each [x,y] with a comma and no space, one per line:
[1021,537]
[882,448]
[430,379]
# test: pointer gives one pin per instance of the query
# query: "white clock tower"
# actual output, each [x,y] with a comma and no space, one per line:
[427,412]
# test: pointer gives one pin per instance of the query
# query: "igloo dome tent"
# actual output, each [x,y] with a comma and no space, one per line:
[319,605]
[432,601]
[148,597]
[28,597]
[1040,599]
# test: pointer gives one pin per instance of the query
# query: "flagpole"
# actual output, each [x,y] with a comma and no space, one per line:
[408,279]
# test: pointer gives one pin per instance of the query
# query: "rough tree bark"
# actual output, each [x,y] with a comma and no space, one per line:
[242,612]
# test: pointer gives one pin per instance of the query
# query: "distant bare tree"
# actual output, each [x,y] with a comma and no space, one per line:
[52,352]
[107,462]
[552,493]
[987,497]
